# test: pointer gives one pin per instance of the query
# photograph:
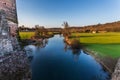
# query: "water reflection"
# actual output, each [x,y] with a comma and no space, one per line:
[76,52]
[30,50]
[41,44]
[66,47]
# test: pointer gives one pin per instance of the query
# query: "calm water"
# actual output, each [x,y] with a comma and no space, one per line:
[54,60]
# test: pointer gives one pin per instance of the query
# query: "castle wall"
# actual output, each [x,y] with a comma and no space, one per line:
[8,26]
[9,6]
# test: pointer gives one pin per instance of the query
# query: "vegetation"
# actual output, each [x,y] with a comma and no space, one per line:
[75,44]
[40,32]
[29,35]
[66,32]
[26,35]
[105,44]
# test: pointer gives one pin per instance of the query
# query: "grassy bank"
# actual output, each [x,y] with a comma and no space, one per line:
[105,44]
[28,35]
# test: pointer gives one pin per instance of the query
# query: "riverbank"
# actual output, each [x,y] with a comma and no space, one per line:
[108,63]
[15,66]
[30,35]
[28,38]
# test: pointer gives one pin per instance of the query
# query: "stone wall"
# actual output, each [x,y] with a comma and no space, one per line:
[13,27]
[116,74]
[5,46]
[5,38]
[9,6]
[8,26]
[14,64]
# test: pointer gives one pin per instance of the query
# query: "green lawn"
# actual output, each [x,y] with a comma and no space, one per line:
[105,44]
[26,35]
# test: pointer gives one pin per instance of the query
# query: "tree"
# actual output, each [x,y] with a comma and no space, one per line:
[40,31]
[65,24]
[66,31]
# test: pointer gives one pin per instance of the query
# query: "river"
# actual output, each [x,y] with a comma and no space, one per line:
[54,60]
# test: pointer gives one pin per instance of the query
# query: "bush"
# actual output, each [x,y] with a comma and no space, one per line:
[75,44]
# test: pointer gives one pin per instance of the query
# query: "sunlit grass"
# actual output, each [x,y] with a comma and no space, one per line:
[26,35]
[99,38]
[106,44]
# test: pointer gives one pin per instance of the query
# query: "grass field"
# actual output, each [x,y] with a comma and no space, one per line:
[105,44]
[26,35]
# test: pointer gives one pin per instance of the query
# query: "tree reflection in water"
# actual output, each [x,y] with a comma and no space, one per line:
[41,44]
[38,44]
[76,52]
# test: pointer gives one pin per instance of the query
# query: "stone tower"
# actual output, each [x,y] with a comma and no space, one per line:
[9,7]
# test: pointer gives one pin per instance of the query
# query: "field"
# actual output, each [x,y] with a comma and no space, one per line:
[105,44]
[26,35]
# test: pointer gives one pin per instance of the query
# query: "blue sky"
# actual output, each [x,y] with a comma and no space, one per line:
[52,13]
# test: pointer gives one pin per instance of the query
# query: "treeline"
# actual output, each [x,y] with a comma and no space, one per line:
[25,29]
[28,29]
[108,27]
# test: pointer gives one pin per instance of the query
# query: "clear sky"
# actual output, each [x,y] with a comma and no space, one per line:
[52,13]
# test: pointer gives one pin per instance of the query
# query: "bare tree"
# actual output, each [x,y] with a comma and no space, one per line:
[66,31]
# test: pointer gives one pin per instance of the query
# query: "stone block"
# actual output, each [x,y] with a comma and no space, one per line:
[5,46]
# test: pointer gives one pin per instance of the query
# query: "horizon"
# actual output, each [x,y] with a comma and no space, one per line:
[52,13]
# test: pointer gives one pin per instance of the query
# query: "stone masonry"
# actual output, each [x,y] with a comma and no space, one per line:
[14,64]
[9,7]
[8,26]
[116,74]
[5,42]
